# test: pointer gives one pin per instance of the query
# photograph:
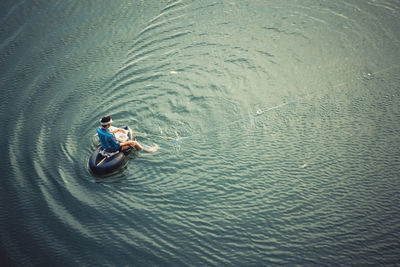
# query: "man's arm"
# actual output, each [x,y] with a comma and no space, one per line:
[119,130]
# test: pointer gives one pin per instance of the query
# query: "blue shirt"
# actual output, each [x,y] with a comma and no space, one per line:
[107,140]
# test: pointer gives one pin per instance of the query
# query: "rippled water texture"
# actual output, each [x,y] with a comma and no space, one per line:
[278,124]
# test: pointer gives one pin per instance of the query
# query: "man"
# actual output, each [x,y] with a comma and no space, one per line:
[108,140]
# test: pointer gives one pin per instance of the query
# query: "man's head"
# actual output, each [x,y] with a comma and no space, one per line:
[106,121]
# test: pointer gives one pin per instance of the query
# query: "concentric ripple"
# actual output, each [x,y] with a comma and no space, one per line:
[278,125]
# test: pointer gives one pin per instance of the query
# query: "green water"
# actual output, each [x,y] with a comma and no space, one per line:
[278,125]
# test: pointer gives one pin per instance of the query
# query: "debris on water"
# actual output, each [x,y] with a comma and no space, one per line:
[303,166]
[173,72]
[259,112]
[368,76]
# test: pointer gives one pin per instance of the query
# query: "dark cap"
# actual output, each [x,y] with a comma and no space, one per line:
[106,120]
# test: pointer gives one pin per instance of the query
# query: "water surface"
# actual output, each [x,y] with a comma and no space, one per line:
[278,125]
